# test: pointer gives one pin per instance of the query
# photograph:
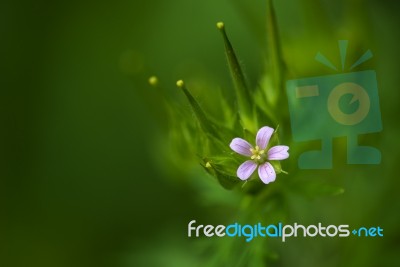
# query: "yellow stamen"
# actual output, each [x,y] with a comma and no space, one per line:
[257,153]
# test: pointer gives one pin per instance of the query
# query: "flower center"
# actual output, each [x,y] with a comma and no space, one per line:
[257,153]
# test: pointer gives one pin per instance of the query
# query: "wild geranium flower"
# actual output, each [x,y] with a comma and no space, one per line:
[259,156]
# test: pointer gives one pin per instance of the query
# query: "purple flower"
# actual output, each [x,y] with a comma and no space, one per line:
[259,157]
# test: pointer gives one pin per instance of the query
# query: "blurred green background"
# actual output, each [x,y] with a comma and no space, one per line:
[85,180]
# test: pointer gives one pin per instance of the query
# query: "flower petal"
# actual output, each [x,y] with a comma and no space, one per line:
[263,136]
[267,173]
[246,169]
[278,153]
[241,146]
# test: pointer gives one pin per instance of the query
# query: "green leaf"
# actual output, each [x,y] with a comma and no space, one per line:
[205,123]
[242,91]
[273,82]
[225,180]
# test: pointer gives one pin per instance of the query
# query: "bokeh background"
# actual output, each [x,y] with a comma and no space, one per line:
[86,180]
